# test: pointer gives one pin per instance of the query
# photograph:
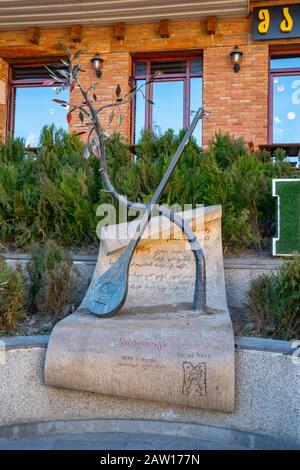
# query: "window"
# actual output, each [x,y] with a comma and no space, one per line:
[285,100]
[31,106]
[172,99]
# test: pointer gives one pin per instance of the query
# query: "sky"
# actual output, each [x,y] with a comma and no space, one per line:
[34,109]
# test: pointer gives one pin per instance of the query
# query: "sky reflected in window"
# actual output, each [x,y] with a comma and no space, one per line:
[34,109]
[140,106]
[196,103]
[285,62]
[286,109]
[168,107]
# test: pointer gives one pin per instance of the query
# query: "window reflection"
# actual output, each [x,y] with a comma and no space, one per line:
[176,94]
[140,68]
[285,62]
[34,109]
[140,106]
[286,109]
[169,67]
[196,103]
[168,106]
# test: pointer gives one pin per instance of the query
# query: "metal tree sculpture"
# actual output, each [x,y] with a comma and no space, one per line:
[107,293]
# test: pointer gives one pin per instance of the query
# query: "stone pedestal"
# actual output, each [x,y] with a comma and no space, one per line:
[156,348]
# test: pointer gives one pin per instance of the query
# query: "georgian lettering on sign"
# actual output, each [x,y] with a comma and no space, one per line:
[276,22]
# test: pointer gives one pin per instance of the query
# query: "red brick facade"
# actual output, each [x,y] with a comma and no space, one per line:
[4,68]
[238,101]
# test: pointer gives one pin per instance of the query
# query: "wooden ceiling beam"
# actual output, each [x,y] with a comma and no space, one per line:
[211,24]
[33,35]
[76,33]
[120,31]
[164,28]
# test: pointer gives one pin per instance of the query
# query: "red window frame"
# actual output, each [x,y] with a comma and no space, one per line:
[25,83]
[185,77]
[277,73]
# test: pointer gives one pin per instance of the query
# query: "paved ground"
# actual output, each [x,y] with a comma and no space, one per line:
[111,441]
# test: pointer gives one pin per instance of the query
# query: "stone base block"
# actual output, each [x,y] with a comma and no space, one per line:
[163,353]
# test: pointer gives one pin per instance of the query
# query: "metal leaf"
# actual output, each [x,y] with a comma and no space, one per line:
[96,151]
[48,82]
[77,54]
[81,117]
[81,133]
[62,46]
[156,74]
[94,97]
[60,101]
[64,73]
[120,120]
[86,153]
[53,74]
[118,90]
[111,116]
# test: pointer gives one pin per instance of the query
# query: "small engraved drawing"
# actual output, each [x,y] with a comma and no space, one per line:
[106,291]
[194,378]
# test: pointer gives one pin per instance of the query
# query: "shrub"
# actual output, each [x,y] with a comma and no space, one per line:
[52,279]
[11,295]
[275,300]
[263,295]
[288,316]
[225,174]
[56,294]
[49,195]
[13,151]
[54,194]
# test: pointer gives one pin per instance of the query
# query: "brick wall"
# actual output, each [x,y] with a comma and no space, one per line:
[238,102]
[3,96]
[115,71]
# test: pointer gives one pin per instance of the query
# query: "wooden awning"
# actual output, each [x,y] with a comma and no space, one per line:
[21,14]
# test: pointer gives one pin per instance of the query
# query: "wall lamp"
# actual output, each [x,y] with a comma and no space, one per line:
[97,62]
[236,59]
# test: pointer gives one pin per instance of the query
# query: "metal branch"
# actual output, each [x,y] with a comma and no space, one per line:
[200,281]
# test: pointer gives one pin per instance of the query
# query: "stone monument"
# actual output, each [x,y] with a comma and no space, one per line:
[156,347]
[164,331]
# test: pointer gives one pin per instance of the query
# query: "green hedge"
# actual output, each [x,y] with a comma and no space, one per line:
[275,301]
[54,194]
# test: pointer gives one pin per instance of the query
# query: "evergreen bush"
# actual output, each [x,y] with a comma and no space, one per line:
[275,300]
[54,194]
[52,279]
[12,293]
